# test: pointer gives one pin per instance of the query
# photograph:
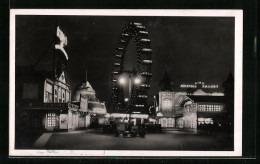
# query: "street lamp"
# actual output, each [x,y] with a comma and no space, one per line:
[137,80]
[133,79]
[122,80]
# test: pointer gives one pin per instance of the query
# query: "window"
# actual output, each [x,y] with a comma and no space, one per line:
[51,119]
[48,97]
[208,121]
[48,92]
[202,121]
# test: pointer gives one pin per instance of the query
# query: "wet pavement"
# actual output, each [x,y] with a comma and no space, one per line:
[167,140]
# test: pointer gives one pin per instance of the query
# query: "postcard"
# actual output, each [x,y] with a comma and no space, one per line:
[109,82]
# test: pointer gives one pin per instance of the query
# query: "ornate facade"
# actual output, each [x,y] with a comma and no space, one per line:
[200,107]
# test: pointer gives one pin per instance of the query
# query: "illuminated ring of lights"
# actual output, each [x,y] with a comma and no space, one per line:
[137,32]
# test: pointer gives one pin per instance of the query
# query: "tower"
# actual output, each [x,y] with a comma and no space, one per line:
[165,83]
[228,85]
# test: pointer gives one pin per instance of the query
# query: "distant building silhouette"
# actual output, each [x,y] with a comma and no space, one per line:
[165,83]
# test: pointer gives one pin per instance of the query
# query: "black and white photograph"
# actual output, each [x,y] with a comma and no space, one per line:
[125,83]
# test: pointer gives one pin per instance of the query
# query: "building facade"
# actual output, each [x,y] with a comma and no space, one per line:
[170,108]
[201,107]
[43,98]
[96,109]
[48,103]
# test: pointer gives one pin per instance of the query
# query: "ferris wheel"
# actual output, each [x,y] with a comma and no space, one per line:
[137,101]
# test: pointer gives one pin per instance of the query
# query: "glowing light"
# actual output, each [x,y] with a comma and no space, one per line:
[63,42]
[122,80]
[137,81]
[145,116]
[119,115]
[152,120]
[126,99]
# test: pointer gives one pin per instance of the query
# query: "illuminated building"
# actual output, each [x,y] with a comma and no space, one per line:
[169,108]
[96,109]
[201,88]
[179,110]
[43,98]
[208,109]
[198,106]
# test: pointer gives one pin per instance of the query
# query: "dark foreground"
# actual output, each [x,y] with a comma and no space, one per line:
[167,140]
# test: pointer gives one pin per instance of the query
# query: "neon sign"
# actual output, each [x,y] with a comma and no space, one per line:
[63,42]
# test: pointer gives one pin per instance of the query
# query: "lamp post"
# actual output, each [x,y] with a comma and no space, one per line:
[132,78]
[123,80]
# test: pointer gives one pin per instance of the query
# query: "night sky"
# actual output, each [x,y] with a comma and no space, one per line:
[193,48]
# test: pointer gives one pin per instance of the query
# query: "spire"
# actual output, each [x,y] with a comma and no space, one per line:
[165,83]
[86,76]
[228,84]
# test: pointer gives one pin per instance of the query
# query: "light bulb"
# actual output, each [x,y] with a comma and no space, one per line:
[137,81]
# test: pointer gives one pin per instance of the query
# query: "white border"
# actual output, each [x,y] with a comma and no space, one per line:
[238,14]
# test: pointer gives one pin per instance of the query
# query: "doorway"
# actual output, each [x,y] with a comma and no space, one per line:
[50,121]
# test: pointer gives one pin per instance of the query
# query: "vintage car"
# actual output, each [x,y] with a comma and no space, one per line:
[109,127]
[120,129]
[129,130]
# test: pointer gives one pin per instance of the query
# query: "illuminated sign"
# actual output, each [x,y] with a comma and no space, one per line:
[199,83]
[63,42]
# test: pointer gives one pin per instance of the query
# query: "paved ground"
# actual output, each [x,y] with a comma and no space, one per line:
[167,140]
[24,139]
[42,140]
